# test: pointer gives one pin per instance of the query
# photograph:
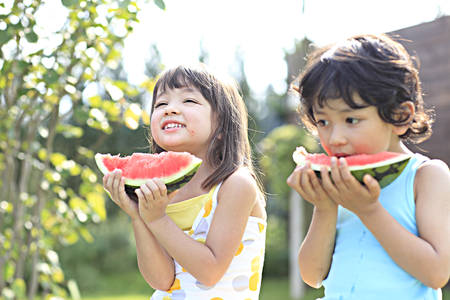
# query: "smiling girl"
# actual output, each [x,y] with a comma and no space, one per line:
[207,240]
[363,96]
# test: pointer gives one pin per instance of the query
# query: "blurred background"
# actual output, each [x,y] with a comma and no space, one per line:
[76,78]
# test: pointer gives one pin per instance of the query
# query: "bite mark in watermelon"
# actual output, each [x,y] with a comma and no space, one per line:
[385,167]
[175,169]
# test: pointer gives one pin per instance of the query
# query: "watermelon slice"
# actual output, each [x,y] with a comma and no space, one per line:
[175,169]
[385,167]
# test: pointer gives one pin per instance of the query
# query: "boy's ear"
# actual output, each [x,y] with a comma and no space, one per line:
[406,112]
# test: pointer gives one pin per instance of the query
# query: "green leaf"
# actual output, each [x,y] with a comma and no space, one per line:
[80,115]
[70,131]
[95,101]
[97,204]
[22,64]
[32,37]
[51,77]
[19,287]
[9,269]
[68,3]
[160,4]
[57,158]
[86,235]
[5,36]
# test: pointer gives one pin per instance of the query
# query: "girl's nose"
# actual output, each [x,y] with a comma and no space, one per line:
[171,110]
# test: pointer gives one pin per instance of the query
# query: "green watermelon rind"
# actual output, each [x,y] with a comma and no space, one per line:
[385,172]
[383,176]
[176,183]
[191,169]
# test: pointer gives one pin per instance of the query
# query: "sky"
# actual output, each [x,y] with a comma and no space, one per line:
[263,31]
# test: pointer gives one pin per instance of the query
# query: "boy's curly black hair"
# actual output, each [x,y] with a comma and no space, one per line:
[375,67]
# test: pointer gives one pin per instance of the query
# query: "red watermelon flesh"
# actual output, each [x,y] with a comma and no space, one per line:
[175,169]
[383,166]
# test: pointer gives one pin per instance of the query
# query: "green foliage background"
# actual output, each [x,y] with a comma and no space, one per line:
[59,233]
[50,192]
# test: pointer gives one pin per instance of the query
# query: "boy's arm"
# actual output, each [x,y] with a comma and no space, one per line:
[426,257]
[315,255]
[314,258]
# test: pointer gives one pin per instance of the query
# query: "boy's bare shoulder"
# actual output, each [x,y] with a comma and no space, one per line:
[433,166]
[433,173]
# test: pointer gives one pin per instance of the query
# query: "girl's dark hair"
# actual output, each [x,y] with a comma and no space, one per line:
[375,67]
[229,147]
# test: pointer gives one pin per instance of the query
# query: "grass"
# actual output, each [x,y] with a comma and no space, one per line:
[133,287]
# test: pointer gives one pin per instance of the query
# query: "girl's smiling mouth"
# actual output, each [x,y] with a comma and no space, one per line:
[171,125]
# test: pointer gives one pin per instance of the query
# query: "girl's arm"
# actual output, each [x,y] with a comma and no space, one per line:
[426,257]
[155,265]
[314,258]
[206,262]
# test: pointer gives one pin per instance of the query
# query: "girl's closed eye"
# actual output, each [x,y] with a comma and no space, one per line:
[158,104]
[189,100]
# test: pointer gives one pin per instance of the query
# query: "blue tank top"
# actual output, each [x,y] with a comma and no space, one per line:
[361,269]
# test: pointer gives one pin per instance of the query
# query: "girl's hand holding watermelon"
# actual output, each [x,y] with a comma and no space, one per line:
[207,242]
[114,183]
[153,200]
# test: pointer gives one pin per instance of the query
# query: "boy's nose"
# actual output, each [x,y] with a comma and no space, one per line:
[338,137]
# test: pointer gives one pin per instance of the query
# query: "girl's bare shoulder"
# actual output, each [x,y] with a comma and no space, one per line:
[240,184]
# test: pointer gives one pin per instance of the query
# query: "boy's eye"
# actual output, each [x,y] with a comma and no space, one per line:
[322,123]
[190,100]
[352,120]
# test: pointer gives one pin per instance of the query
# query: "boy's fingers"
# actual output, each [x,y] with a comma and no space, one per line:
[327,184]
[294,179]
[336,174]
[347,178]
[105,179]
[315,181]
[372,185]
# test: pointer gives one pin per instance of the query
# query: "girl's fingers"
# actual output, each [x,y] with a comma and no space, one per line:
[140,195]
[147,194]
[159,184]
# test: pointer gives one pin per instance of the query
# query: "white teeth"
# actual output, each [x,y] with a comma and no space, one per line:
[173,125]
